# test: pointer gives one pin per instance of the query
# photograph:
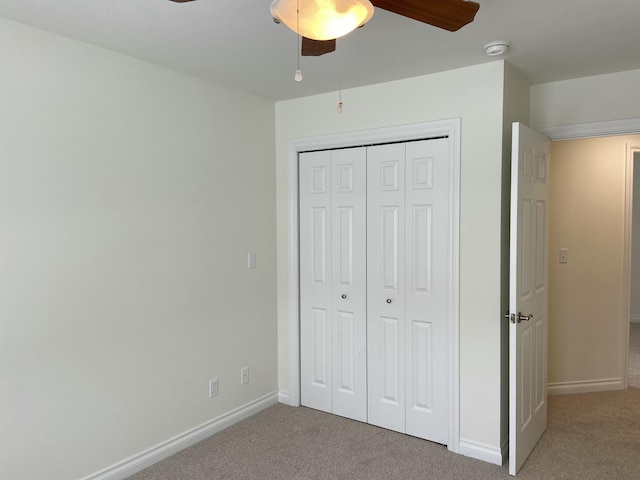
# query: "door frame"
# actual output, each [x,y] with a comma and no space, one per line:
[631,150]
[401,133]
[611,128]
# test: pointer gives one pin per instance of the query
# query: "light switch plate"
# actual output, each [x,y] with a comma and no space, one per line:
[213,388]
[564,255]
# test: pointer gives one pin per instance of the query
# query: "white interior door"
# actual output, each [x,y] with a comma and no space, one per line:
[528,293]
[333,281]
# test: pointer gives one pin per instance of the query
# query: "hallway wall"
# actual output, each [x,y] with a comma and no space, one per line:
[635,243]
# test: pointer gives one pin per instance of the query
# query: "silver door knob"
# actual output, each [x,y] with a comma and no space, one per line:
[344,295]
[524,318]
[388,300]
[519,318]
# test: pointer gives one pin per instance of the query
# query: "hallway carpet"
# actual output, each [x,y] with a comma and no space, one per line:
[634,355]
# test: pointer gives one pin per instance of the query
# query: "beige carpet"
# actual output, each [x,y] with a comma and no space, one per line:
[634,355]
[592,436]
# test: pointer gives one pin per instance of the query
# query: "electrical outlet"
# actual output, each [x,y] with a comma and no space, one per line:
[213,388]
[244,375]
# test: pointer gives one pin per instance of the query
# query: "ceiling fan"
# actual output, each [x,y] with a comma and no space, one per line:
[449,15]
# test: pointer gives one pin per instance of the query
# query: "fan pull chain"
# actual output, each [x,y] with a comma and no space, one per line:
[339,48]
[298,75]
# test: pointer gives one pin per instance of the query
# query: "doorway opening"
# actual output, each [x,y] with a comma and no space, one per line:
[633,361]
[590,267]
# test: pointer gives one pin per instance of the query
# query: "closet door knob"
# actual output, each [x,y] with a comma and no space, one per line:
[388,300]
[344,295]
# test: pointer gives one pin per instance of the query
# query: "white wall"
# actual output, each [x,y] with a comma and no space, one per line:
[587,317]
[475,95]
[129,197]
[585,100]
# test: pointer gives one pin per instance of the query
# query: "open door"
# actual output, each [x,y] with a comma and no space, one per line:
[528,293]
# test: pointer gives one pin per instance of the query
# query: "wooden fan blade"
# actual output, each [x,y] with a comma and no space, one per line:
[447,14]
[181,1]
[315,48]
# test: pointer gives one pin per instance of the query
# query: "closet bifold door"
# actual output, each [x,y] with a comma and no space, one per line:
[408,288]
[385,285]
[427,289]
[333,281]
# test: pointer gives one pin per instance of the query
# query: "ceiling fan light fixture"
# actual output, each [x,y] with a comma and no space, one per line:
[322,19]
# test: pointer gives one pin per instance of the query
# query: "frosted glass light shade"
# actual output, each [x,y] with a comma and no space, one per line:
[322,19]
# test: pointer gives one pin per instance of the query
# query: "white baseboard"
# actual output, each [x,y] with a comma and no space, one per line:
[142,460]
[483,452]
[283,397]
[635,318]
[585,386]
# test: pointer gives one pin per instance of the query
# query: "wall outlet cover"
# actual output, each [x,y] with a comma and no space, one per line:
[213,388]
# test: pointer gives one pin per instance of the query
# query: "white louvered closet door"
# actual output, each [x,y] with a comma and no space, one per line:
[333,281]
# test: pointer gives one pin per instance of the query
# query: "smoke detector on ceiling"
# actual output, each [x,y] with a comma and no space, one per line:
[497,47]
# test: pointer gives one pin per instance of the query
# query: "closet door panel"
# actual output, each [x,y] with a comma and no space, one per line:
[427,287]
[349,288]
[315,281]
[385,285]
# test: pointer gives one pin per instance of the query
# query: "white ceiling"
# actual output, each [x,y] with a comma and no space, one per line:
[236,43]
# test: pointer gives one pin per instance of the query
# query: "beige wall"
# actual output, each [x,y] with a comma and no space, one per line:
[129,197]
[475,95]
[586,309]
[635,242]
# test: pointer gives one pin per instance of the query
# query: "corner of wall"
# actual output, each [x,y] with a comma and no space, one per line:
[515,109]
